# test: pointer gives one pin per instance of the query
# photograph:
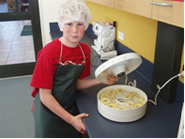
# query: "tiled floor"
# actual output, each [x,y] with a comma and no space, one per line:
[13,47]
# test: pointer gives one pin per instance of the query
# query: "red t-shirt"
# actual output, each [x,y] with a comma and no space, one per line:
[48,59]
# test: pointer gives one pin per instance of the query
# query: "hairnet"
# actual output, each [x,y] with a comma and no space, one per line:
[73,10]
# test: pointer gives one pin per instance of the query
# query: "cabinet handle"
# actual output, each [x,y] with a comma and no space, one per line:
[162,4]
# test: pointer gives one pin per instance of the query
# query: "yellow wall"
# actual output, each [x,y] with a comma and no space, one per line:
[139,32]
[182,64]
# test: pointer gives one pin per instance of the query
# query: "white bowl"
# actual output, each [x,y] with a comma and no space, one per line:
[118,115]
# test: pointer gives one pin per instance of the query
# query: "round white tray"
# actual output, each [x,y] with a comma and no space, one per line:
[118,115]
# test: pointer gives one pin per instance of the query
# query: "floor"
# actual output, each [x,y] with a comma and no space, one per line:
[16,118]
[15,48]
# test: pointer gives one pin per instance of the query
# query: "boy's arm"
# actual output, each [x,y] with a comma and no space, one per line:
[50,102]
[86,83]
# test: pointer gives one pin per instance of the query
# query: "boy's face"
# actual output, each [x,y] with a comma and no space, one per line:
[73,31]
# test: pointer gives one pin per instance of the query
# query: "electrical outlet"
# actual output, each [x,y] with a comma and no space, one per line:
[121,35]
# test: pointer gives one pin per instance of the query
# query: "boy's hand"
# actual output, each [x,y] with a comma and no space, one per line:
[78,124]
[111,80]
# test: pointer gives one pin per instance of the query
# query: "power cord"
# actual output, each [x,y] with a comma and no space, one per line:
[105,49]
[97,55]
[160,88]
[130,83]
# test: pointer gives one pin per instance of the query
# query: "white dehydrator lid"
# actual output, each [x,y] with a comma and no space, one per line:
[118,66]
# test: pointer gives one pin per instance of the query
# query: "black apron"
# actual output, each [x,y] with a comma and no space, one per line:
[48,124]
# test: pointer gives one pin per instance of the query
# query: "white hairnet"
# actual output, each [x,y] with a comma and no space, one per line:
[73,10]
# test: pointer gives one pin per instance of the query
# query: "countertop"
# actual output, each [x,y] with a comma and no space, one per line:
[161,121]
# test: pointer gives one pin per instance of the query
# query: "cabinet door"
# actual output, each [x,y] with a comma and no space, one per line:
[168,11]
[109,3]
[140,7]
[95,1]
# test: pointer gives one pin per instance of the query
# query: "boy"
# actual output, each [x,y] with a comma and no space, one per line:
[61,68]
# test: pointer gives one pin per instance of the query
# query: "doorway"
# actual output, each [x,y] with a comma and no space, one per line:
[20,37]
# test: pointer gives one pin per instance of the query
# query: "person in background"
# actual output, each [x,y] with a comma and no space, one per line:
[25,6]
[60,71]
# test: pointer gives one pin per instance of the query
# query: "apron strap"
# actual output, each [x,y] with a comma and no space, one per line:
[83,62]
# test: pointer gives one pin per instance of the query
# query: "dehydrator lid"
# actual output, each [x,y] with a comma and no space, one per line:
[118,66]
